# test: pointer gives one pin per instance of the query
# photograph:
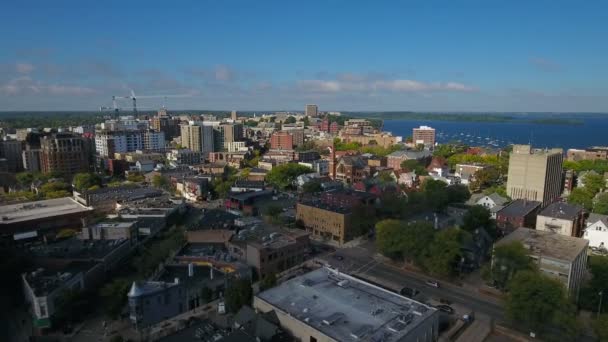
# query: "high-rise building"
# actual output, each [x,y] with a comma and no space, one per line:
[153,140]
[312,110]
[11,150]
[109,142]
[31,160]
[197,137]
[535,175]
[232,132]
[64,153]
[167,125]
[281,141]
[233,115]
[424,135]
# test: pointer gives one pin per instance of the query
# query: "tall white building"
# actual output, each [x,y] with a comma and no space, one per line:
[109,142]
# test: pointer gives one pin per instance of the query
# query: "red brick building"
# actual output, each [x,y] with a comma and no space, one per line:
[281,141]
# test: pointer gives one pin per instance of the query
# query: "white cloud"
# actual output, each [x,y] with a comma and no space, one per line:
[24,68]
[25,85]
[356,83]
[544,64]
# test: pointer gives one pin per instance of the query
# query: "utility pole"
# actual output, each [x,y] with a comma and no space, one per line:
[599,307]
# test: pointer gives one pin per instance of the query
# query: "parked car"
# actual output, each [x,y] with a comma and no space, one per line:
[432,283]
[445,308]
[408,292]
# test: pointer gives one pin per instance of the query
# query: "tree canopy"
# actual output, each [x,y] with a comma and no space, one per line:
[479,217]
[444,252]
[537,302]
[238,294]
[508,260]
[400,239]
[283,176]
[86,180]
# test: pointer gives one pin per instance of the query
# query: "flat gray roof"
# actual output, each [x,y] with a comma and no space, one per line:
[547,244]
[346,308]
[28,211]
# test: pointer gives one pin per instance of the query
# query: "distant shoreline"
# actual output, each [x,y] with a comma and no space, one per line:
[487,118]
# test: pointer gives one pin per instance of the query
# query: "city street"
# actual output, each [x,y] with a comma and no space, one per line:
[360,261]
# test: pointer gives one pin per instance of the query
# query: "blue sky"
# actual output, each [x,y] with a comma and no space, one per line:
[274,55]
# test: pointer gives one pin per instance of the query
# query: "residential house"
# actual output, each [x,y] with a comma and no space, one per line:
[596,231]
[562,218]
[519,213]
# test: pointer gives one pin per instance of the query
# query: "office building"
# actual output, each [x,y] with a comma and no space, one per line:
[11,150]
[167,125]
[233,115]
[561,218]
[535,175]
[232,132]
[198,137]
[311,110]
[558,256]
[591,153]
[64,153]
[424,135]
[185,157]
[326,305]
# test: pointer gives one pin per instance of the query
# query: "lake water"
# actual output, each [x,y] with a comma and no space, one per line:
[593,132]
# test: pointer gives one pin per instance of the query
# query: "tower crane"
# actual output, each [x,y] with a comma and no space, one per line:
[134,98]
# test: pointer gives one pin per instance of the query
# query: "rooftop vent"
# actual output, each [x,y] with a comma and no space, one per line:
[343,283]
[333,318]
[362,331]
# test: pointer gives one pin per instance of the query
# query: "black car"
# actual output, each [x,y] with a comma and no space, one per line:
[445,308]
[338,257]
[408,292]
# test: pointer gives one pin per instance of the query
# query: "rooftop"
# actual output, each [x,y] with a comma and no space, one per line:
[346,308]
[215,219]
[262,235]
[28,211]
[519,208]
[200,274]
[45,280]
[244,196]
[562,210]
[547,244]
[74,248]
[124,193]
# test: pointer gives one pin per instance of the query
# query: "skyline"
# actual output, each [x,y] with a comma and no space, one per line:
[474,57]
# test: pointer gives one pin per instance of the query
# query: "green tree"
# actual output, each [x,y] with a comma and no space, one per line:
[24,178]
[458,193]
[306,121]
[206,294]
[69,307]
[601,204]
[290,120]
[283,176]
[507,260]
[414,165]
[435,194]
[485,178]
[269,281]
[273,212]
[479,217]
[114,297]
[582,197]
[390,238]
[534,300]
[443,254]
[83,181]
[137,177]
[600,327]
[160,181]
[238,294]
[312,186]
[57,194]
[594,183]
[589,296]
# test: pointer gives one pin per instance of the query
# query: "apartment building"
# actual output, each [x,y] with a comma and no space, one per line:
[424,135]
[64,154]
[561,218]
[535,175]
[558,256]
[198,137]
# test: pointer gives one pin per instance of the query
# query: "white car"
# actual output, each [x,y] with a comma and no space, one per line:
[432,283]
